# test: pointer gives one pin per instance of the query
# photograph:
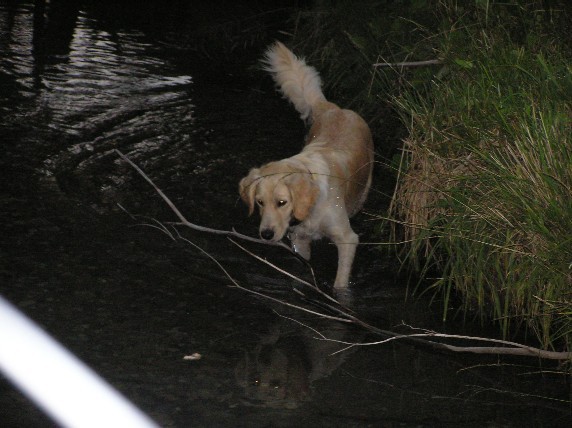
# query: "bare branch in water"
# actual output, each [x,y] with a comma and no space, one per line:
[344,314]
[236,284]
[301,281]
[184,222]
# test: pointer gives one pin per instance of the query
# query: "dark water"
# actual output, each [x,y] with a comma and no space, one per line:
[175,89]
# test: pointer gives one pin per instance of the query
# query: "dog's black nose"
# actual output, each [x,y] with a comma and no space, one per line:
[267,234]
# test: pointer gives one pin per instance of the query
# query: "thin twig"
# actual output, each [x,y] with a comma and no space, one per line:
[301,281]
[513,348]
[184,222]
[236,284]
[408,63]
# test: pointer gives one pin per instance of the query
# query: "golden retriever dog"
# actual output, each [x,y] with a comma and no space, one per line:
[314,193]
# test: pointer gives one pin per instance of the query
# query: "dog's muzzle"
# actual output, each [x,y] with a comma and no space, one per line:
[267,234]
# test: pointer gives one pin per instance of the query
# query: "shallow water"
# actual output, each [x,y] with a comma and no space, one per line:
[83,253]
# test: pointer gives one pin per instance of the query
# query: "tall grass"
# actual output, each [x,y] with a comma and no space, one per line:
[486,192]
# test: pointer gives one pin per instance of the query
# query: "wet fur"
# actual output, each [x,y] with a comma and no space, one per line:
[323,186]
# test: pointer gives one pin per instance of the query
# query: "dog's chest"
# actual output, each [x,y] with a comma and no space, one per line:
[305,230]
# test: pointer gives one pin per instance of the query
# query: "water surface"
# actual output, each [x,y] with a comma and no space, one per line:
[84,254]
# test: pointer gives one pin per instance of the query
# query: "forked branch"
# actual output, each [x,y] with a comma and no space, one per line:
[184,222]
[343,314]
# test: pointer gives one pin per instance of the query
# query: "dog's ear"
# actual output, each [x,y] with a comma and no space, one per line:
[304,192]
[247,188]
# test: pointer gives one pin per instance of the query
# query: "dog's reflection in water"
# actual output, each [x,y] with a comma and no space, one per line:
[280,370]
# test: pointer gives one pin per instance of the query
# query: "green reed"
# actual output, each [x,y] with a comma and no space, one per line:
[489,153]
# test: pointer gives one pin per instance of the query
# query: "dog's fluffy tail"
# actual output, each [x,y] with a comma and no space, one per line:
[299,82]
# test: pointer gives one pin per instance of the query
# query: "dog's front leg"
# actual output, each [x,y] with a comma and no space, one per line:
[300,243]
[346,243]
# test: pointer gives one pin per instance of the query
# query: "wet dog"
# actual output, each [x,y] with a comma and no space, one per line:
[314,193]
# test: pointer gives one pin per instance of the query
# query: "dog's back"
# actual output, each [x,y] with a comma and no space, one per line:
[344,138]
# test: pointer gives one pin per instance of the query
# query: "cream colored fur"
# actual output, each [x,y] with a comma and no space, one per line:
[322,187]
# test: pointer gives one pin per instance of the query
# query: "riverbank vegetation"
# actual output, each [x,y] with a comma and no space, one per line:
[483,196]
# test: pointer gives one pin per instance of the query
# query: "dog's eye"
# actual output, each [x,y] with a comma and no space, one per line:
[260,202]
[281,203]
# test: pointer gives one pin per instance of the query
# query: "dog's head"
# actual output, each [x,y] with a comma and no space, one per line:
[283,195]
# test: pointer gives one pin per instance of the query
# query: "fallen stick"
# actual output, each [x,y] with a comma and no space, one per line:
[409,63]
[184,222]
[509,348]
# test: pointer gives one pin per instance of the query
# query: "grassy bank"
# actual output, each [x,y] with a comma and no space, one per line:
[484,184]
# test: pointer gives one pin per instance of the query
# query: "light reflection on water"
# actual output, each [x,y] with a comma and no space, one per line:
[91,90]
[108,76]
[98,77]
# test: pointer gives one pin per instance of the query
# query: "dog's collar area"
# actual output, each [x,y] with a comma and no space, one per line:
[294,222]
[312,174]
